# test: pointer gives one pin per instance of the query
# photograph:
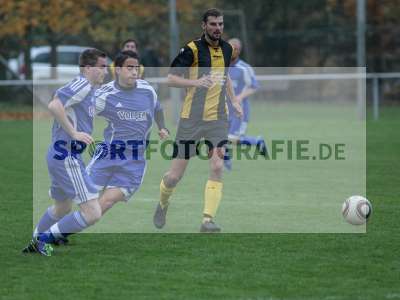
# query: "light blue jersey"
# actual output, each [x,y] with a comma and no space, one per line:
[130,114]
[77,98]
[69,180]
[242,76]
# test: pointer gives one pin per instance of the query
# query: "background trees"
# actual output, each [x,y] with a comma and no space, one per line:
[278,33]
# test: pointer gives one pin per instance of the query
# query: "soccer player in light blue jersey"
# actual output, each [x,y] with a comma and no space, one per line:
[244,84]
[73,110]
[129,105]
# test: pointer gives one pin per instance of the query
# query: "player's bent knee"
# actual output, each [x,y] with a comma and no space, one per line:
[60,209]
[108,203]
[217,168]
[91,211]
[172,179]
[93,215]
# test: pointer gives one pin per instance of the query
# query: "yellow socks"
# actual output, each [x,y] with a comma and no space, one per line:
[165,193]
[212,198]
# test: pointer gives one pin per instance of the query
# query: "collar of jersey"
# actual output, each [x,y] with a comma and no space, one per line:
[203,39]
[124,88]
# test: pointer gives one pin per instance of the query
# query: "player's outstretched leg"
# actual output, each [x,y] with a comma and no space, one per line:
[52,215]
[74,222]
[110,197]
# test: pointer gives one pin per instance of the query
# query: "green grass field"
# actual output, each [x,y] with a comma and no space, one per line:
[192,266]
[268,196]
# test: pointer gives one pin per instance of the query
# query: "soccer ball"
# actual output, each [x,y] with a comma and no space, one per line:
[356,210]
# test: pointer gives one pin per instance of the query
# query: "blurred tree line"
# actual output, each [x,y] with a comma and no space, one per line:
[278,33]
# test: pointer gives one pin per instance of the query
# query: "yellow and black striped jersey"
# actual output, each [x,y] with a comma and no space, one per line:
[196,59]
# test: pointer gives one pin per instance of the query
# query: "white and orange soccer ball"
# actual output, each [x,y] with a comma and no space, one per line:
[356,210]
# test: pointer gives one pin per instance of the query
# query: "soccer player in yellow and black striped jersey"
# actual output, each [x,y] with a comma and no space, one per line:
[201,67]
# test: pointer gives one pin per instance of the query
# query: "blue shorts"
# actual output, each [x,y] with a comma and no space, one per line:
[69,180]
[127,175]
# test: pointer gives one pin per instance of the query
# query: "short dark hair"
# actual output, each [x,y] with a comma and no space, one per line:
[123,56]
[89,57]
[128,41]
[213,12]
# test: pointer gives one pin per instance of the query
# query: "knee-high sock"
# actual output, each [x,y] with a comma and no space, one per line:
[74,222]
[165,193]
[45,222]
[212,197]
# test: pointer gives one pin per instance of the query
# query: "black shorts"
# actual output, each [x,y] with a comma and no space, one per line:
[194,134]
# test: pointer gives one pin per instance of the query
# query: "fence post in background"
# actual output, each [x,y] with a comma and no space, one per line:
[173,51]
[243,31]
[361,62]
[375,97]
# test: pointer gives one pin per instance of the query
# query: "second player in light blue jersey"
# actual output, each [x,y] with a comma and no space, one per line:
[129,105]
[73,110]
[245,84]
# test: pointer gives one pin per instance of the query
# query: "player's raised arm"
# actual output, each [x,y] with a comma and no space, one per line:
[247,91]
[180,67]
[57,110]
[56,107]
[163,131]
[251,84]
[159,118]
[178,81]
[100,96]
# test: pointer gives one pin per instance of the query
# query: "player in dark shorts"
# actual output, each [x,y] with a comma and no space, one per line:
[202,68]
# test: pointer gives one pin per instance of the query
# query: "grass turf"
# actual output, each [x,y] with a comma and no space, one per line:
[275,195]
[185,266]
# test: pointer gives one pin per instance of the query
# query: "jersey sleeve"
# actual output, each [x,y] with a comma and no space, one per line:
[249,78]
[159,116]
[158,111]
[158,106]
[253,81]
[100,99]
[182,62]
[73,92]
[154,96]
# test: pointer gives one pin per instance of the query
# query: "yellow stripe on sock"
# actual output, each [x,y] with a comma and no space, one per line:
[212,197]
[165,193]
